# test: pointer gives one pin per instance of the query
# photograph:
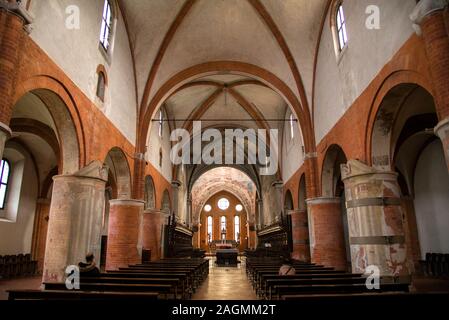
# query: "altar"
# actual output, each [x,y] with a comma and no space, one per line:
[227,257]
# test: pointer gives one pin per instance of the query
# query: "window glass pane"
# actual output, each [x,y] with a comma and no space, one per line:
[108,16]
[103,25]
[2,195]
[5,173]
[345,36]
[236,228]
[292,134]
[338,20]
[223,204]
[340,40]
[105,8]
[209,226]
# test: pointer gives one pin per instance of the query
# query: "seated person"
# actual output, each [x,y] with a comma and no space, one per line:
[89,267]
[287,268]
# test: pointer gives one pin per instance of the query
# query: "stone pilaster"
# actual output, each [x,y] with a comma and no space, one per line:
[327,243]
[125,218]
[300,235]
[75,220]
[375,219]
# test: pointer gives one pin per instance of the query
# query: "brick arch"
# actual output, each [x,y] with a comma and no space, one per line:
[120,167]
[334,156]
[288,200]
[166,202]
[63,109]
[391,81]
[203,69]
[150,193]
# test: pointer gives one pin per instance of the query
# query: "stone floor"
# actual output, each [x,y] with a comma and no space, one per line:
[18,284]
[226,283]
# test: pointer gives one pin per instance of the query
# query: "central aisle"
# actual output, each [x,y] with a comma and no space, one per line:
[226,283]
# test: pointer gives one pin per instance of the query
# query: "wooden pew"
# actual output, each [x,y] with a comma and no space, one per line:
[79,295]
[281,290]
[164,289]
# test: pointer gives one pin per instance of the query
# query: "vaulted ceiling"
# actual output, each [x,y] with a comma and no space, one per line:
[168,36]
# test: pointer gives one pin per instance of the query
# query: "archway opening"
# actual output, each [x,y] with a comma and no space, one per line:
[333,187]
[403,141]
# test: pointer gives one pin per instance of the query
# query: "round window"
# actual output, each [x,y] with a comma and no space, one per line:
[239,207]
[223,203]
[207,208]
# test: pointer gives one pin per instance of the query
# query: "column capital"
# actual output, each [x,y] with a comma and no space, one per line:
[5,129]
[356,168]
[323,200]
[278,184]
[153,211]
[127,202]
[441,128]
[176,184]
[18,9]
[425,8]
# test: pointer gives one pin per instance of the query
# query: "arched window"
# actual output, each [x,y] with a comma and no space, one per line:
[341,28]
[106,25]
[292,131]
[223,227]
[237,228]
[161,118]
[209,228]
[223,203]
[101,85]
[5,169]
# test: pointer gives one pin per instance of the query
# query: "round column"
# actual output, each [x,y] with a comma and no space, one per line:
[375,219]
[300,234]
[152,225]
[327,243]
[75,221]
[123,233]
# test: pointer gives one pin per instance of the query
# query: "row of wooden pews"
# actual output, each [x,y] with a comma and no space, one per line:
[310,279]
[163,279]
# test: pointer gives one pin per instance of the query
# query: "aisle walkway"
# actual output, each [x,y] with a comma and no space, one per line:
[226,283]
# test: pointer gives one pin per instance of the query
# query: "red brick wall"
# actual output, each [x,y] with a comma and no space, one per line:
[96,134]
[353,131]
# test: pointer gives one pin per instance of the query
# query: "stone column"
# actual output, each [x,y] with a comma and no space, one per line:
[327,242]
[375,219]
[431,20]
[300,234]
[75,221]
[152,224]
[125,216]
[40,231]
